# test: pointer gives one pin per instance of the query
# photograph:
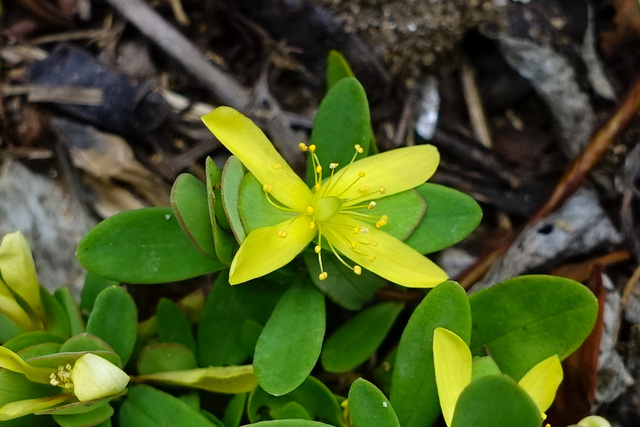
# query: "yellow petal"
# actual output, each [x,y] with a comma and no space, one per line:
[382,253]
[396,170]
[19,272]
[218,379]
[452,364]
[14,311]
[542,382]
[268,248]
[14,363]
[20,408]
[593,421]
[249,144]
[95,378]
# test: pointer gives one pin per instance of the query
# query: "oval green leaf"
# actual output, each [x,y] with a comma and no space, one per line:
[91,418]
[68,303]
[342,121]
[173,325]
[290,343]
[143,246]
[413,387]
[337,68]
[149,407]
[369,407]
[359,337]
[527,319]
[495,401]
[93,285]
[165,357]
[450,217]
[312,395]
[56,320]
[220,334]
[190,205]
[32,338]
[232,176]
[115,319]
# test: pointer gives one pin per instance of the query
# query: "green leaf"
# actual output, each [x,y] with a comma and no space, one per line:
[317,400]
[32,338]
[8,328]
[405,211]
[218,379]
[369,407]
[235,410]
[495,401]
[165,357]
[232,176]
[93,285]
[90,343]
[68,302]
[56,320]
[290,343]
[227,308]
[148,407]
[223,241]
[342,122]
[115,319]
[292,410]
[254,208]
[359,337]
[337,68]
[189,204]
[413,388]
[450,217]
[39,350]
[17,387]
[91,418]
[342,285]
[173,325]
[290,423]
[143,246]
[524,320]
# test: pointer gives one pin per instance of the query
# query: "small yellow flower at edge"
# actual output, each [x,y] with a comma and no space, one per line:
[327,213]
[453,368]
[91,377]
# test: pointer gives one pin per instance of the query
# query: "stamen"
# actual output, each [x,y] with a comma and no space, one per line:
[382,190]
[277,166]
[309,210]
[312,224]
[354,245]
[267,188]
[318,169]
[303,147]
[317,249]
[62,378]
[333,165]
[363,189]
[372,204]
[361,174]
[323,275]
[358,148]
[382,222]
[357,269]
[373,257]
[312,148]
[282,234]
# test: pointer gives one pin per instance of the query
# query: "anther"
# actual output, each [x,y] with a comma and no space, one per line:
[277,166]
[364,230]
[309,210]
[323,275]
[318,169]
[357,269]
[359,148]
[354,245]
[373,243]
[361,174]
[373,257]
[356,230]
[317,249]
[282,234]
[303,147]
[312,148]
[317,186]
[312,224]
[333,165]
[372,204]
[363,189]
[266,188]
[382,190]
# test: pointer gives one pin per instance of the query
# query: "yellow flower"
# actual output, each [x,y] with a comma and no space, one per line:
[327,214]
[453,368]
[18,278]
[89,378]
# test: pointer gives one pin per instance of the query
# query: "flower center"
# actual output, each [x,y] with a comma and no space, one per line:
[62,378]
[326,207]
